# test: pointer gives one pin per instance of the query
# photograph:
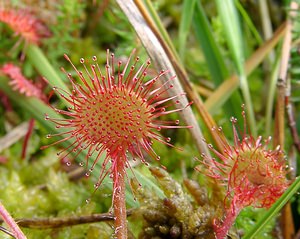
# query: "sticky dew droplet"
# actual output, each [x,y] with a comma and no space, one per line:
[233,120]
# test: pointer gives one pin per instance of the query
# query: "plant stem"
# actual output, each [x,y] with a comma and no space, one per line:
[119,200]
[248,102]
[65,221]
[286,219]
[27,137]
[11,223]
[271,94]
[222,230]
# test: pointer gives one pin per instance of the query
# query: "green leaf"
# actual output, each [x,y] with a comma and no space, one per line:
[184,26]
[232,31]
[213,56]
[43,66]
[249,22]
[230,20]
[215,62]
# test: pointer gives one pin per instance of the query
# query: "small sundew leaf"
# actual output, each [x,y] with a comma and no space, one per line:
[274,210]
[24,24]
[252,174]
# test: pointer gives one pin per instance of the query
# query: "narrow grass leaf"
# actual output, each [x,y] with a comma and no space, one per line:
[230,20]
[223,92]
[184,26]
[159,25]
[271,93]
[215,62]
[213,56]
[41,63]
[249,22]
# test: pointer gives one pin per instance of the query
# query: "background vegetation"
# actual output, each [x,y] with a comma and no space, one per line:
[222,58]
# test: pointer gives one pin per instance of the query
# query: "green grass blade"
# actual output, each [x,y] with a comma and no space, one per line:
[249,22]
[272,212]
[271,93]
[213,56]
[160,26]
[222,93]
[215,62]
[41,63]
[230,20]
[184,26]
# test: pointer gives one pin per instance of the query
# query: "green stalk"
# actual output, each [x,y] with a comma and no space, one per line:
[249,22]
[274,210]
[230,20]
[248,102]
[184,26]
[204,35]
[43,66]
[160,26]
[215,61]
[271,93]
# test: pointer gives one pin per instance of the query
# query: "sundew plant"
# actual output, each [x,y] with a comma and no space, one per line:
[149,119]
